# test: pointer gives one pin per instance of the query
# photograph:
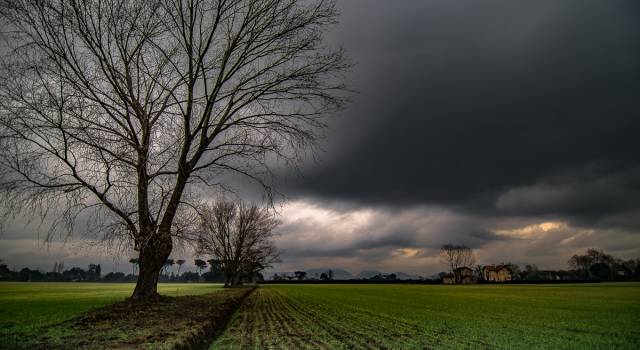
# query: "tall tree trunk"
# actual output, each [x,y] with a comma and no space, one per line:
[153,256]
[228,280]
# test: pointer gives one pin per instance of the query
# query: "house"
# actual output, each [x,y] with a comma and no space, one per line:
[500,273]
[449,278]
[464,275]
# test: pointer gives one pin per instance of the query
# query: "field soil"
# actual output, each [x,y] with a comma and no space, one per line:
[189,322]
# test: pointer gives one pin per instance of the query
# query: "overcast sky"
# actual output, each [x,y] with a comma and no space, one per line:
[508,126]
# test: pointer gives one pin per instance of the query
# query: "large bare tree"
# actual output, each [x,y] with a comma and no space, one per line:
[239,237]
[125,111]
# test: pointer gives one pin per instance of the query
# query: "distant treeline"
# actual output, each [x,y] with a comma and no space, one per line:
[593,266]
[93,273]
[422,281]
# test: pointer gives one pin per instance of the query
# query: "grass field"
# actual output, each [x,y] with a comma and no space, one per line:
[593,316]
[588,316]
[28,308]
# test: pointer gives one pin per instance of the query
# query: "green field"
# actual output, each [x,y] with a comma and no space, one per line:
[28,308]
[593,316]
[588,316]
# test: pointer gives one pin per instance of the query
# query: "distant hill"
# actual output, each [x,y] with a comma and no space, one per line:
[399,275]
[368,274]
[406,276]
[338,274]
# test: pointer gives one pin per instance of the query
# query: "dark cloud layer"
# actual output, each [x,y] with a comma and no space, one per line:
[519,108]
[509,126]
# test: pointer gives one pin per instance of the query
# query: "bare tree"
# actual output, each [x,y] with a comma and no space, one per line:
[129,111]
[593,256]
[168,266]
[180,262]
[134,262]
[478,271]
[456,256]
[239,237]
[300,275]
[200,264]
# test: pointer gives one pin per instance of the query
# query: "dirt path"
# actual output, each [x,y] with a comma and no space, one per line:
[189,322]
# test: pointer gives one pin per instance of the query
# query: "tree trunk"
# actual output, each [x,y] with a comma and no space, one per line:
[153,256]
[228,280]
[236,280]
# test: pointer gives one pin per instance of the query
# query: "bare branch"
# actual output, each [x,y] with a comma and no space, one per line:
[239,237]
[134,108]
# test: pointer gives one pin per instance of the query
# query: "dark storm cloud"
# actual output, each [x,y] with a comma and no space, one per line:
[462,102]
[508,126]
[601,200]
[377,232]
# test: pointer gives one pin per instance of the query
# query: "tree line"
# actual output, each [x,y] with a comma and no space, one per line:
[304,276]
[594,265]
[207,271]
[238,237]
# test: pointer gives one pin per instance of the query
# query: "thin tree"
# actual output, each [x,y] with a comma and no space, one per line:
[168,266]
[134,263]
[200,264]
[129,111]
[180,262]
[300,275]
[478,270]
[239,236]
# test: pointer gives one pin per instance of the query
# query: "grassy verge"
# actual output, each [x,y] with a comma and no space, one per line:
[188,322]
[602,316]
[30,309]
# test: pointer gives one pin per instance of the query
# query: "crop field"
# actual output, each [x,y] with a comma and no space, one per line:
[28,308]
[593,316]
[586,316]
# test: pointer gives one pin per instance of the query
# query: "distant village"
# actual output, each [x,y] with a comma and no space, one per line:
[594,265]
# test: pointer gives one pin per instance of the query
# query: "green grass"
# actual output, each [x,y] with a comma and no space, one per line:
[28,308]
[589,316]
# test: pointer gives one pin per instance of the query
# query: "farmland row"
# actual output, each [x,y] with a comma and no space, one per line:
[416,317]
[292,319]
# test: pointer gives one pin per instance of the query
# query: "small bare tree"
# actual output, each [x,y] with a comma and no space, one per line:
[456,256]
[200,264]
[129,111]
[239,237]
[180,262]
